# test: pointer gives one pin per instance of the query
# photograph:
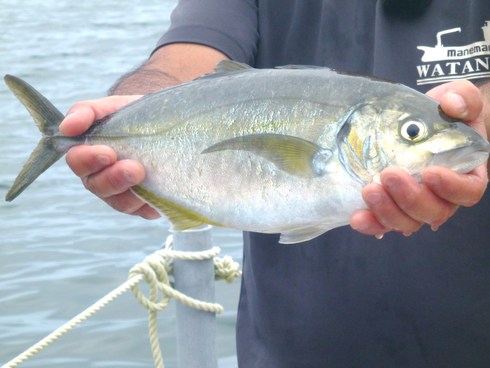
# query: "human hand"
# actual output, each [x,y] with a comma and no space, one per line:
[97,166]
[403,205]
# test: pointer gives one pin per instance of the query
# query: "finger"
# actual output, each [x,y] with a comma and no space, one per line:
[83,114]
[77,121]
[127,202]
[415,200]
[86,160]
[366,223]
[387,212]
[115,179]
[147,212]
[460,189]
[459,99]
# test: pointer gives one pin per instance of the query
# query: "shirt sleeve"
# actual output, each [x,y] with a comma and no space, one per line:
[229,26]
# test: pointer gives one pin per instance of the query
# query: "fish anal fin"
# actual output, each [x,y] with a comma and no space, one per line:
[181,218]
[293,155]
[302,234]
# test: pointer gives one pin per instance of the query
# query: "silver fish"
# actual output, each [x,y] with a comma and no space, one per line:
[283,150]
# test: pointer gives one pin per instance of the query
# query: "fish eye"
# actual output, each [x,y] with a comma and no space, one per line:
[413,130]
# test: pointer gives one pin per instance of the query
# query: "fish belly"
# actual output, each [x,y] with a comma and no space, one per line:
[241,190]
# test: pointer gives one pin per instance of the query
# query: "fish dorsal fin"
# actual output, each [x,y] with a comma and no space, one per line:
[230,66]
[181,218]
[226,67]
[295,66]
[294,155]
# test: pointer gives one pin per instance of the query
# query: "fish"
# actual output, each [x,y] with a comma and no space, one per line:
[282,150]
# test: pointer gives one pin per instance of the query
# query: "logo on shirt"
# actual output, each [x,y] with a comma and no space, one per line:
[446,63]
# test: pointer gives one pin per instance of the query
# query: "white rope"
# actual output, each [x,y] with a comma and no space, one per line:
[225,268]
[90,311]
[155,270]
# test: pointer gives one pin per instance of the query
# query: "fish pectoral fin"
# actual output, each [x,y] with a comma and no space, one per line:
[301,235]
[181,218]
[293,155]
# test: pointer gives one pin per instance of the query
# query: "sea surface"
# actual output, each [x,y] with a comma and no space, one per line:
[61,249]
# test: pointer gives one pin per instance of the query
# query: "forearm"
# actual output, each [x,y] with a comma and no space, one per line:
[168,66]
[145,79]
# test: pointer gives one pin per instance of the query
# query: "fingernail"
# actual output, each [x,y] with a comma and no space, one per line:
[129,177]
[103,160]
[373,199]
[63,122]
[392,182]
[434,228]
[458,104]
[363,227]
[432,179]
[379,236]
[407,234]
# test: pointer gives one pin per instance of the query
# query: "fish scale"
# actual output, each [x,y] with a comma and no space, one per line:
[283,150]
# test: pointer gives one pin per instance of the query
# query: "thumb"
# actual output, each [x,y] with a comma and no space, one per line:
[83,114]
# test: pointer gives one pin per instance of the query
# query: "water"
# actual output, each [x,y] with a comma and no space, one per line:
[61,249]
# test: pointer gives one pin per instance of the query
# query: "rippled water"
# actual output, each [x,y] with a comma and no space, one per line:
[61,249]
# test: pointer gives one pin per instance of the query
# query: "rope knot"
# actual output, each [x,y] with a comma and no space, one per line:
[156,268]
[227,269]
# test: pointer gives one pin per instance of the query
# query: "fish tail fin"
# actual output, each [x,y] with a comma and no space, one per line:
[47,118]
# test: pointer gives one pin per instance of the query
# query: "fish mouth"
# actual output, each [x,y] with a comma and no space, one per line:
[463,159]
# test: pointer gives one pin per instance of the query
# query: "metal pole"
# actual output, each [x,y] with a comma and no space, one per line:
[196,330]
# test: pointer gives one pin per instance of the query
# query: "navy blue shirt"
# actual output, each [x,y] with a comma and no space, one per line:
[344,299]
